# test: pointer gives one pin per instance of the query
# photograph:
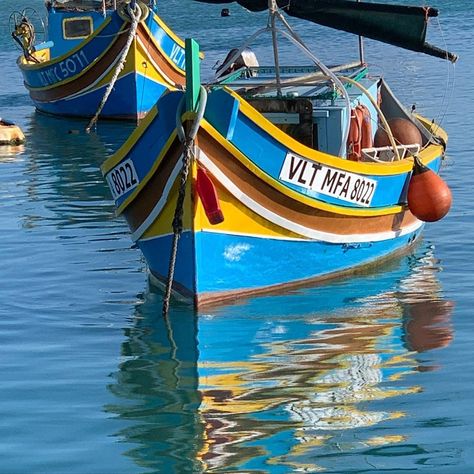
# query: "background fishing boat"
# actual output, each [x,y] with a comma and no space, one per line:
[91,57]
[296,173]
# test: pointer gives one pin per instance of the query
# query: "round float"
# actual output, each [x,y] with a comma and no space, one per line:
[10,134]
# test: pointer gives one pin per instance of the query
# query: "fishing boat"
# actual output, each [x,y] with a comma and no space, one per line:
[97,57]
[271,177]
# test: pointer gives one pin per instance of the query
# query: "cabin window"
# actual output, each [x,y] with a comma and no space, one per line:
[77,28]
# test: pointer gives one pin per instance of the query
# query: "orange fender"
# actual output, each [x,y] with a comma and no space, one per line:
[429,197]
[208,195]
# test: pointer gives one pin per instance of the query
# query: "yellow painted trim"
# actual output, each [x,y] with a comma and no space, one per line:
[72,51]
[72,19]
[123,151]
[153,71]
[433,128]
[349,211]
[239,219]
[398,167]
[157,45]
[171,33]
[179,41]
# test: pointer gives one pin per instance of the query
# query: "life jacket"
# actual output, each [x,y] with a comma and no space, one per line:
[360,132]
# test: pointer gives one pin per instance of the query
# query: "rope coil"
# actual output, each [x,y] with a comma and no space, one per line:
[188,141]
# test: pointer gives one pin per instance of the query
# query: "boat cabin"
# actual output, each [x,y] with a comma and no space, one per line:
[68,24]
[307,107]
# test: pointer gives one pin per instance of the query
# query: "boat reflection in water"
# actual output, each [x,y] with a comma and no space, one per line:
[62,169]
[283,383]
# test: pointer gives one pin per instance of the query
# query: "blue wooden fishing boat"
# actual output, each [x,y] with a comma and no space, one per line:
[89,57]
[272,177]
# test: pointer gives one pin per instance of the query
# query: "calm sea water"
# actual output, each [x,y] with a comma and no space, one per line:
[370,374]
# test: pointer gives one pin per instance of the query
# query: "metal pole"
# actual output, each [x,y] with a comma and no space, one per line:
[361,47]
[273,8]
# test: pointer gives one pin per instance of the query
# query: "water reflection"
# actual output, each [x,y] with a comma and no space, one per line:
[63,169]
[278,383]
[10,153]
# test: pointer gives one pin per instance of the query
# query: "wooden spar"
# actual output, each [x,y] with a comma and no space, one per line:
[193,79]
[259,87]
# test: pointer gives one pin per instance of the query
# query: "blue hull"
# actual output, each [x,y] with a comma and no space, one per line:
[213,263]
[127,101]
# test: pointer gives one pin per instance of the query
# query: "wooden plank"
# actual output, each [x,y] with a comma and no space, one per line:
[193,79]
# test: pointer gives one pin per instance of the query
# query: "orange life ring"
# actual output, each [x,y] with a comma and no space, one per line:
[360,132]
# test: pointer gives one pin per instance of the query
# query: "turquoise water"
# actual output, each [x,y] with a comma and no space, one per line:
[370,374]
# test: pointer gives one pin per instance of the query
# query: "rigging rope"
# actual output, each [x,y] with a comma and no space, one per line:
[187,139]
[135,15]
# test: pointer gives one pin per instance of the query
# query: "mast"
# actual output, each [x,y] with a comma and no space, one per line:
[273,9]
[361,46]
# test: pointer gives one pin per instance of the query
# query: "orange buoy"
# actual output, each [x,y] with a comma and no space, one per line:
[10,134]
[429,197]
[404,132]
[208,195]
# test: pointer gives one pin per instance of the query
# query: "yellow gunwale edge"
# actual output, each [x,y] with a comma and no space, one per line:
[160,49]
[150,173]
[171,33]
[427,155]
[76,76]
[175,38]
[69,53]
[124,150]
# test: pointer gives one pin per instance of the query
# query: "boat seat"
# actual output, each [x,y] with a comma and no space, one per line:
[385,154]
[292,115]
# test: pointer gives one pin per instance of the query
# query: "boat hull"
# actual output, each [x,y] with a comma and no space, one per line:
[74,83]
[276,233]
[222,267]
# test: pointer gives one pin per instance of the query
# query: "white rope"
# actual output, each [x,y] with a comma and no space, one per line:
[135,15]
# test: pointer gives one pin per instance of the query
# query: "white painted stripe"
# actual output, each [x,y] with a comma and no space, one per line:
[160,204]
[87,90]
[91,88]
[297,228]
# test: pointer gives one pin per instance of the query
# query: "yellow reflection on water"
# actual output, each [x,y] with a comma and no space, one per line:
[321,383]
[280,381]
